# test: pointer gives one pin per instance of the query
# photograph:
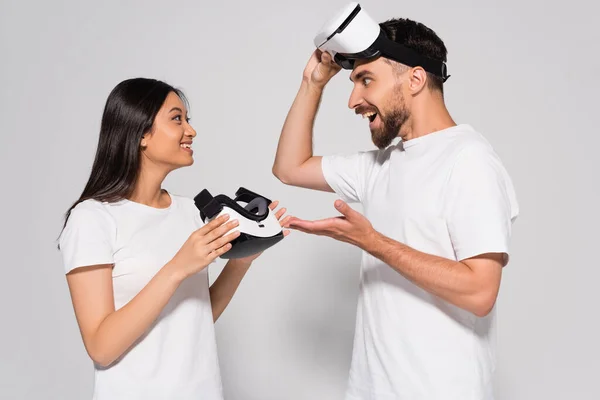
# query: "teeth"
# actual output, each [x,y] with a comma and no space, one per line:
[368,114]
[186,145]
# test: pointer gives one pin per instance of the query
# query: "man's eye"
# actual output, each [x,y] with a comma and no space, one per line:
[366,81]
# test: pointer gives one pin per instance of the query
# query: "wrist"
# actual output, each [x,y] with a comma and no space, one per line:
[370,241]
[174,272]
[239,263]
[311,87]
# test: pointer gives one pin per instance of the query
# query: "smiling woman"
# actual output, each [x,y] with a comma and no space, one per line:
[170,142]
[136,256]
[127,126]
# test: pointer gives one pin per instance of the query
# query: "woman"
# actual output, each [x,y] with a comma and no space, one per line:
[136,256]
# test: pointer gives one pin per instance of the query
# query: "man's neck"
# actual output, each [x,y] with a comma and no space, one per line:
[427,117]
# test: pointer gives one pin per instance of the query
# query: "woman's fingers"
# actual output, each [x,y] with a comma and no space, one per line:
[222,241]
[220,251]
[219,231]
[215,223]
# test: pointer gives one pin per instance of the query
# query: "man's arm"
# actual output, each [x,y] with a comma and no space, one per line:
[294,162]
[470,284]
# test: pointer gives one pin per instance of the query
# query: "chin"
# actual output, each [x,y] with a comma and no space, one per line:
[377,139]
[182,163]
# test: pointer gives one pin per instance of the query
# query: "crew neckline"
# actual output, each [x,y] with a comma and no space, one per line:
[150,208]
[437,136]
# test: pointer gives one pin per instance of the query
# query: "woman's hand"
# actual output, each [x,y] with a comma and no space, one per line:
[283,222]
[204,246]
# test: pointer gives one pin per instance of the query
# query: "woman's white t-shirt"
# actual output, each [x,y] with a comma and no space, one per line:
[177,357]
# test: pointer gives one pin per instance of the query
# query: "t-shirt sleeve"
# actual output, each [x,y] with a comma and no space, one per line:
[347,175]
[87,238]
[480,204]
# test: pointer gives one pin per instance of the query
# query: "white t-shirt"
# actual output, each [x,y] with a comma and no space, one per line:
[177,357]
[446,194]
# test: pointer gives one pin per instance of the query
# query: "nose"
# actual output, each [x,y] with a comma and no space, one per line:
[355,99]
[189,131]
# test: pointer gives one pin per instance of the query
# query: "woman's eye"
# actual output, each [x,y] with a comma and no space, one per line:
[179,118]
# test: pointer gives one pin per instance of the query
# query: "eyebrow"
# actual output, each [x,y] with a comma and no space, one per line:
[361,74]
[176,109]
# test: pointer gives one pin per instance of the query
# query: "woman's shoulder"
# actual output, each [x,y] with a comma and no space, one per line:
[91,211]
[88,221]
[89,205]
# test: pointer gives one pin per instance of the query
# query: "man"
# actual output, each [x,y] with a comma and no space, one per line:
[438,207]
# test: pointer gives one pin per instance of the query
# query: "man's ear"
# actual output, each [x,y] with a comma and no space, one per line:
[417,79]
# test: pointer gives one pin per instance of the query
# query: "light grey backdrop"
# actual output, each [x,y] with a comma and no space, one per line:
[525,73]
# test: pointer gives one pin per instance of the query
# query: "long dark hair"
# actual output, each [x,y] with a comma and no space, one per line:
[129,113]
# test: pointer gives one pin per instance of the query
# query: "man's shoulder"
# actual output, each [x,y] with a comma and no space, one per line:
[471,144]
[473,155]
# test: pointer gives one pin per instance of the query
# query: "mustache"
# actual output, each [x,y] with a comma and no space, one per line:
[362,110]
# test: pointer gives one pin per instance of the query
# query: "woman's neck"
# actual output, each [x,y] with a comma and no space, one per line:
[148,189]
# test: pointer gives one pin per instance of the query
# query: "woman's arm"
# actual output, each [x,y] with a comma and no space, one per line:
[107,333]
[224,287]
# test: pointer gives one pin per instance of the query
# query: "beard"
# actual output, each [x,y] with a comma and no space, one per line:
[383,136]
[391,121]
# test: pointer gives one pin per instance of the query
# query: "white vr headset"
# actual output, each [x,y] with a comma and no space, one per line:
[259,227]
[352,35]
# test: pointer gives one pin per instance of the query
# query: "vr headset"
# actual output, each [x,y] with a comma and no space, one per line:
[352,35]
[258,226]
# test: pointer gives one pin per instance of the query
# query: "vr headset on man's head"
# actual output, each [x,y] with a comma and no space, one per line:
[353,35]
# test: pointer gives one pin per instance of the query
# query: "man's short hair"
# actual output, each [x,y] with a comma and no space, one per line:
[421,39]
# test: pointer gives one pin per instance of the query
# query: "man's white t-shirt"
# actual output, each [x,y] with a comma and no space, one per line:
[177,357]
[447,194]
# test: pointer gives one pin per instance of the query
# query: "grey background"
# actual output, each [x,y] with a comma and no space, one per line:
[524,73]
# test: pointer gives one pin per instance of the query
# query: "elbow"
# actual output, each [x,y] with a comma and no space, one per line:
[279,174]
[482,310]
[101,357]
[102,360]
[276,172]
[483,304]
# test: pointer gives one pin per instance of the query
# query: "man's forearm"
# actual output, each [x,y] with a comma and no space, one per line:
[450,280]
[224,287]
[295,143]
